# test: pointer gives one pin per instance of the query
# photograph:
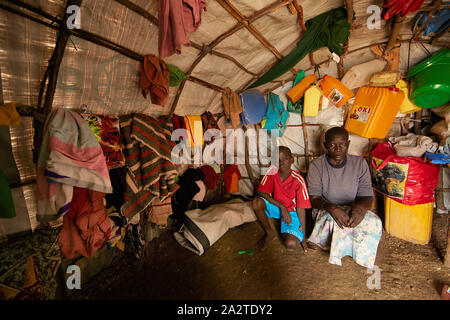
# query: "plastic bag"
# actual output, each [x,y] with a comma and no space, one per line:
[408,180]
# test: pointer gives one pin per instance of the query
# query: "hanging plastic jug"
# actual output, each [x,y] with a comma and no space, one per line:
[313,97]
[335,91]
[299,90]
[374,111]
[407,105]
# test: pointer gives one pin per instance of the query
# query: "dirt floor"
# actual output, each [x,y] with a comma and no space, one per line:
[408,271]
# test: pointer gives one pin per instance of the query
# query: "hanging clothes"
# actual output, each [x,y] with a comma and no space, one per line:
[176,75]
[86,225]
[70,156]
[232,177]
[176,18]
[155,79]
[194,129]
[209,122]
[232,106]
[211,177]
[159,212]
[329,29]
[401,7]
[9,115]
[106,130]
[150,171]
[276,116]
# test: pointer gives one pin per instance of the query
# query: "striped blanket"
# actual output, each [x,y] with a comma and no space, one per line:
[150,173]
[70,156]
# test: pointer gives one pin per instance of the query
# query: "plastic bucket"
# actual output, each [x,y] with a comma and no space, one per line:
[430,81]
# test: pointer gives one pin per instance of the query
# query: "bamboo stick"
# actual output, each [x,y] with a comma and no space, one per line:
[397,25]
[205,84]
[305,139]
[233,11]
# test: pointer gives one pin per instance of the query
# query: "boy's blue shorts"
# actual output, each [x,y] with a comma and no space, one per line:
[294,228]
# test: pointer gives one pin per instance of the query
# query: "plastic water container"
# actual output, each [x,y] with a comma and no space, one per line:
[430,80]
[359,75]
[313,97]
[374,111]
[335,91]
[410,223]
[407,105]
[299,90]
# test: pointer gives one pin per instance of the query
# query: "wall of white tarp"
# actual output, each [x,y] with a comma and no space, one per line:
[108,82]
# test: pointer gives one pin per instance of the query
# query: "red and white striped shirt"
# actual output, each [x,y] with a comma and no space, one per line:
[291,192]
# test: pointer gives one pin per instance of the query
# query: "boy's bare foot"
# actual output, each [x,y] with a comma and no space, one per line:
[267,240]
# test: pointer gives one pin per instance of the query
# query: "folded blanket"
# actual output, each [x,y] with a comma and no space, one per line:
[203,228]
[150,173]
[70,156]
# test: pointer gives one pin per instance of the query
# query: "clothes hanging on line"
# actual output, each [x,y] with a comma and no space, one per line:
[150,171]
[155,79]
[106,130]
[70,156]
[175,19]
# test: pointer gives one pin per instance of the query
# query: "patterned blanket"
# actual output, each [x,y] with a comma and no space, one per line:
[150,173]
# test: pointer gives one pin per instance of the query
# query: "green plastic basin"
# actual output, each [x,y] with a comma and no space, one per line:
[430,80]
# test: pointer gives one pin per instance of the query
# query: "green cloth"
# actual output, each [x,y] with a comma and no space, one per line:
[175,76]
[298,106]
[328,29]
[6,201]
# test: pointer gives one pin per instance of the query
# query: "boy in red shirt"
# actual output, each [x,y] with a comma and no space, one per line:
[282,193]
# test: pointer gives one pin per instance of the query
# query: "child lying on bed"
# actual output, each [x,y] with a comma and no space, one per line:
[282,193]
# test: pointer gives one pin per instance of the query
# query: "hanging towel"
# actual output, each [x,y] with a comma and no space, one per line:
[150,172]
[329,29]
[176,18]
[86,226]
[194,129]
[232,106]
[155,79]
[9,115]
[6,201]
[276,116]
[106,130]
[70,156]
[176,75]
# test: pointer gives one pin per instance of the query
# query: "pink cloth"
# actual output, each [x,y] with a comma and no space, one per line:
[176,18]
[86,226]
[199,196]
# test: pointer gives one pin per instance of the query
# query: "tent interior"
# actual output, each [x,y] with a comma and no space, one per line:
[89,58]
